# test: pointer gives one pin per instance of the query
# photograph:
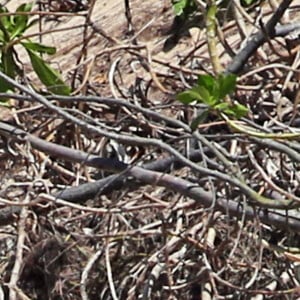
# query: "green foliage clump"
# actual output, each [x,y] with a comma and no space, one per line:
[184,7]
[213,91]
[12,30]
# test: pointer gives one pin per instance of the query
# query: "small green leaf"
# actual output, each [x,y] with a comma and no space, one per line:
[227,84]
[239,110]
[25,7]
[222,106]
[4,19]
[8,67]
[39,48]
[18,29]
[204,95]
[184,8]
[207,81]
[188,97]
[4,25]
[201,118]
[48,76]
[8,62]
[199,94]
[211,84]
[20,22]
[179,6]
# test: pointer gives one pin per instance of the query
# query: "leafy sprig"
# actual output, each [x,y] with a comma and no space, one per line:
[12,33]
[213,91]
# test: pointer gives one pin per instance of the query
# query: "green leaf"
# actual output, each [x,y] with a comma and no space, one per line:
[26,7]
[211,84]
[37,47]
[201,118]
[9,67]
[204,95]
[4,19]
[20,21]
[8,62]
[188,97]
[18,29]
[197,93]
[227,84]
[207,81]
[184,8]
[222,106]
[239,110]
[4,25]
[48,76]
[179,6]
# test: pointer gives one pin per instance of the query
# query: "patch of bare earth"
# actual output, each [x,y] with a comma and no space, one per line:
[135,205]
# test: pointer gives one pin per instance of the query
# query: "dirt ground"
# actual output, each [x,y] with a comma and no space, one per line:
[178,222]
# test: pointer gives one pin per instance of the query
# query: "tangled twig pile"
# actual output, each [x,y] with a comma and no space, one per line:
[113,194]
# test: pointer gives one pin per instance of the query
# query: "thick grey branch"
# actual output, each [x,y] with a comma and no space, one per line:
[140,174]
[258,39]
